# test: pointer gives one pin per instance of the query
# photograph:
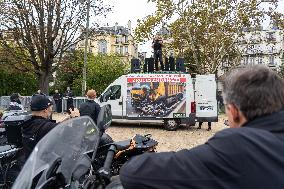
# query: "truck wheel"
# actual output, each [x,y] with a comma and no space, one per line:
[171,124]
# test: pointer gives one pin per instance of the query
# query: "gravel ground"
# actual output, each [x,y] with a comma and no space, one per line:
[184,137]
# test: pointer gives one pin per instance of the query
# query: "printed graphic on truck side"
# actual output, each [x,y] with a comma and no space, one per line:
[156,95]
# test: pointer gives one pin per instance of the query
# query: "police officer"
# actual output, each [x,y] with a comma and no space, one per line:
[35,128]
[57,97]
[69,95]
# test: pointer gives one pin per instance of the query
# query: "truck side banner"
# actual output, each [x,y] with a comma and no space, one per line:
[156,95]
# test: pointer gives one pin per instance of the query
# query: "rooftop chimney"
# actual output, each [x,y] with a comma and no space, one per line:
[129,26]
[115,27]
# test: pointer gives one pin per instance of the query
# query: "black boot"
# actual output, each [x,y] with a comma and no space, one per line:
[209,126]
[199,125]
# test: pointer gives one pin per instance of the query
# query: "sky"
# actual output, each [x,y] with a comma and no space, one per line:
[124,10]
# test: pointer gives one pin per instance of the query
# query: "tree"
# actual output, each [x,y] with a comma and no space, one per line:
[204,31]
[15,80]
[102,70]
[44,30]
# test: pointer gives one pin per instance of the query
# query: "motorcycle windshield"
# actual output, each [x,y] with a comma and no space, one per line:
[69,141]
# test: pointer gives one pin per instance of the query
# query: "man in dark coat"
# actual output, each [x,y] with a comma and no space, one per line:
[57,97]
[35,128]
[69,95]
[157,45]
[90,107]
[248,155]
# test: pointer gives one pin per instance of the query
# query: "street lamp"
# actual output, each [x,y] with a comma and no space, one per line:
[84,83]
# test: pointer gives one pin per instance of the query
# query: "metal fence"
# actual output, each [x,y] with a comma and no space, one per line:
[26,102]
[77,101]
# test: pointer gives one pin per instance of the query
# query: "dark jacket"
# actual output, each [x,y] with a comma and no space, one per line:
[33,130]
[68,94]
[90,108]
[157,45]
[57,96]
[248,157]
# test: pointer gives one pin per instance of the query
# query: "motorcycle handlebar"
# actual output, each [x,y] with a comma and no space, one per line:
[110,155]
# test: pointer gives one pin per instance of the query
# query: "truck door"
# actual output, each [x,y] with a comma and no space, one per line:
[205,98]
[113,97]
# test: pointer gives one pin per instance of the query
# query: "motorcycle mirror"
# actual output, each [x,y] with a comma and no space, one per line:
[100,98]
[104,117]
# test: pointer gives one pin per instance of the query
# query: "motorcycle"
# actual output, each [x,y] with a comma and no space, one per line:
[124,151]
[69,156]
[11,154]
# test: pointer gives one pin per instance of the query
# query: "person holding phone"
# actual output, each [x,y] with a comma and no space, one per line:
[39,124]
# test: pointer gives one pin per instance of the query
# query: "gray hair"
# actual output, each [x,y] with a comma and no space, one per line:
[254,90]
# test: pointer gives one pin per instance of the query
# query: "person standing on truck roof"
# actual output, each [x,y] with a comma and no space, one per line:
[248,155]
[157,45]
[90,107]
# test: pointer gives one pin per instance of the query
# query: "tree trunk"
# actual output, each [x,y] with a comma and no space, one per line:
[44,82]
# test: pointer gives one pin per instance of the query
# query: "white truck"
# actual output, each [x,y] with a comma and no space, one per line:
[162,96]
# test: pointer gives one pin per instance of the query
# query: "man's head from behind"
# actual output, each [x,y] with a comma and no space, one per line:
[252,92]
[15,97]
[157,37]
[91,94]
[41,106]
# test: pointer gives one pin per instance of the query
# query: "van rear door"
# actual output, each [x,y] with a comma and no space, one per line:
[205,98]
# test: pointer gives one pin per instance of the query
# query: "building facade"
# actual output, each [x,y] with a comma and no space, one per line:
[262,47]
[112,40]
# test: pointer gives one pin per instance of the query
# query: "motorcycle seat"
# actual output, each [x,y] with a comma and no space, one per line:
[122,145]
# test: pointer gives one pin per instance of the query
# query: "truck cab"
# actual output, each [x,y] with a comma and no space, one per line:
[114,96]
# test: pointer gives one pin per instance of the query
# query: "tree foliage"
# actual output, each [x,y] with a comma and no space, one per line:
[101,71]
[44,31]
[205,31]
[15,80]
